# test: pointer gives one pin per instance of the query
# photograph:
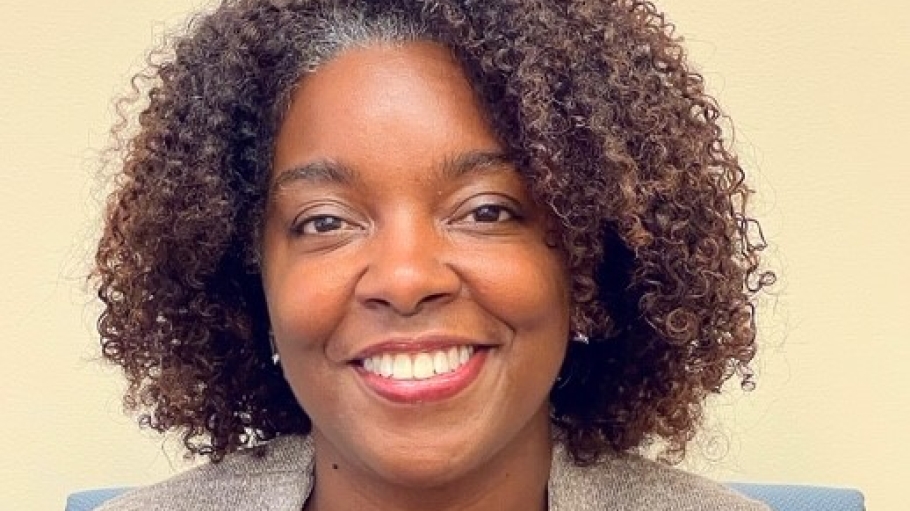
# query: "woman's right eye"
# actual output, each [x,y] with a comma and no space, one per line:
[321,224]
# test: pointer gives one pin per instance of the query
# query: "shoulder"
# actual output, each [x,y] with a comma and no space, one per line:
[272,476]
[632,483]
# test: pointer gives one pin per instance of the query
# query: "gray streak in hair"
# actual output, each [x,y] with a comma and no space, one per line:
[340,30]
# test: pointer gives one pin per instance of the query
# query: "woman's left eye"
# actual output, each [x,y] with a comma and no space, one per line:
[489,213]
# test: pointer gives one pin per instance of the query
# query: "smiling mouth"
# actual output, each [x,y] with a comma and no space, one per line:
[418,366]
[422,376]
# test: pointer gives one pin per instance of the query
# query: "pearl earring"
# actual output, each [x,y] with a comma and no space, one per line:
[581,338]
[276,359]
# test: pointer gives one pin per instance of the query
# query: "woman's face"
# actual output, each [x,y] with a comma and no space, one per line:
[420,316]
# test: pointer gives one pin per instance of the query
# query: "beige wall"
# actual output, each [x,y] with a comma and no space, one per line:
[817,92]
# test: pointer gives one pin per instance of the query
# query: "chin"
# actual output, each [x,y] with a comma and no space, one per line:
[441,456]
[428,467]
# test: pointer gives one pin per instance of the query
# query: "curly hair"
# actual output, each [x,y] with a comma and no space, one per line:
[611,128]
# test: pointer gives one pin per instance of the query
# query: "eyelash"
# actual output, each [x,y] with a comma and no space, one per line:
[300,227]
[498,208]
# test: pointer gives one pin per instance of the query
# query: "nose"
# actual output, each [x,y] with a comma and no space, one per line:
[408,269]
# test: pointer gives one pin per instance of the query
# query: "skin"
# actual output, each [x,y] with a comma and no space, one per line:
[392,214]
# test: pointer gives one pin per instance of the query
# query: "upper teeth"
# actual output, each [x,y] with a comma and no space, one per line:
[418,366]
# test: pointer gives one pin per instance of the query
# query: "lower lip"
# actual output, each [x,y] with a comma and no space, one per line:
[437,388]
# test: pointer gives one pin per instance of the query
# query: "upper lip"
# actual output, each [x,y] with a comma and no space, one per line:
[416,344]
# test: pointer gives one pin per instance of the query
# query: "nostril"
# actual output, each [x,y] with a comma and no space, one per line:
[430,300]
[407,283]
[438,297]
[407,307]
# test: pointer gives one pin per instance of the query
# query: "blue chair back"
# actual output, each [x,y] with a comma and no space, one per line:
[790,497]
[88,500]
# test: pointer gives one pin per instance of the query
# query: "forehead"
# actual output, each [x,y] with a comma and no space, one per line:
[384,105]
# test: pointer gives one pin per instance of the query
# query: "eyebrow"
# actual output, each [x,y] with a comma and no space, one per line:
[319,171]
[473,161]
[328,171]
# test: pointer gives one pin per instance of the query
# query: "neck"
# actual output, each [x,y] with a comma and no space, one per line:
[514,479]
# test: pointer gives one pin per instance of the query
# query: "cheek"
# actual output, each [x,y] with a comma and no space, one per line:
[305,302]
[529,287]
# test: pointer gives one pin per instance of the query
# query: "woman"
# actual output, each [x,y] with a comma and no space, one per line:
[428,255]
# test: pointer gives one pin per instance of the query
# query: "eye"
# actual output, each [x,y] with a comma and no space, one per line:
[490,213]
[321,224]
